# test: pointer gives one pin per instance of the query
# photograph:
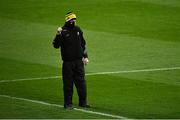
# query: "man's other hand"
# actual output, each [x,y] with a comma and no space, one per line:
[85,61]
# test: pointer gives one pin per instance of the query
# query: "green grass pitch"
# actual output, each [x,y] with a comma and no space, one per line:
[121,35]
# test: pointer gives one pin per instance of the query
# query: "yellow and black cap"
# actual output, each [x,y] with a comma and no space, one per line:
[70,16]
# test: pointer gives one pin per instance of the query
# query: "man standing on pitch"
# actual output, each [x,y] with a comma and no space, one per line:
[74,55]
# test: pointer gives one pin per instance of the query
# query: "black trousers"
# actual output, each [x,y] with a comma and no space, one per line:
[73,73]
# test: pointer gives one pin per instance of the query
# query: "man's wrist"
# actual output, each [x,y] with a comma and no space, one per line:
[58,33]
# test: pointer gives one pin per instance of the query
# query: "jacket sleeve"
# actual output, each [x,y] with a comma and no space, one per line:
[83,44]
[57,41]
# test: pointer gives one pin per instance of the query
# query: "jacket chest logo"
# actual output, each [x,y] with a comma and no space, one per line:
[67,35]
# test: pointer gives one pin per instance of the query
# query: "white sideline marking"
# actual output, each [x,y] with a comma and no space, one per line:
[98,73]
[60,106]
[135,71]
[26,79]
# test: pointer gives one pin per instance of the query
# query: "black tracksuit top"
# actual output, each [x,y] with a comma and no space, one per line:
[72,44]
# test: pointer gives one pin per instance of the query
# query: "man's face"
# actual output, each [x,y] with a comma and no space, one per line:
[73,21]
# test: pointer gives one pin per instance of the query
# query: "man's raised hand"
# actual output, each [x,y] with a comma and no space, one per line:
[59,30]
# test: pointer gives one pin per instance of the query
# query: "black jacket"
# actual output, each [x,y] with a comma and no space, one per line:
[72,44]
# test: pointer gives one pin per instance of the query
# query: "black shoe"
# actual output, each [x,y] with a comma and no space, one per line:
[85,106]
[69,107]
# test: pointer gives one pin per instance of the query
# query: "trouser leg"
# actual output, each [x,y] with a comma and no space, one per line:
[80,83]
[67,83]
